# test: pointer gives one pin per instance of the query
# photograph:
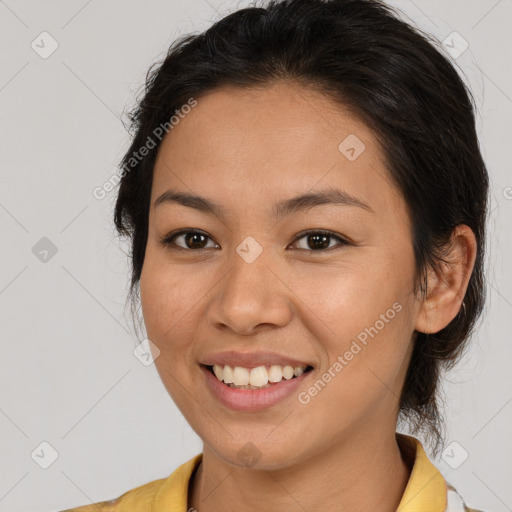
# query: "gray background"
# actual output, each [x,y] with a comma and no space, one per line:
[68,375]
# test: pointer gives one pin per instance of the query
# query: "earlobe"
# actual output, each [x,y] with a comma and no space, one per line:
[446,287]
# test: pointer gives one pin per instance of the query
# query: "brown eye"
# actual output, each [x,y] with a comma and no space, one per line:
[191,240]
[317,241]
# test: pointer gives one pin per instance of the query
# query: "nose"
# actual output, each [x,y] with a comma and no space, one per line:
[251,297]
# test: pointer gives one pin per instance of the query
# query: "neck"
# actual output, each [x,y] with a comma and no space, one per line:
[365,472]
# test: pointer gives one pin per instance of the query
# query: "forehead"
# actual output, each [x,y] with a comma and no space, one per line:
[278,141]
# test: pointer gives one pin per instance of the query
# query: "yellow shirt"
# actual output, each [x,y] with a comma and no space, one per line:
[426,490]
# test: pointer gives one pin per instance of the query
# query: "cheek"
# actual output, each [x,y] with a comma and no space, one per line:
[366,354]
[167,299]
[169,294]
[151,296]
[370,306]
[355,293]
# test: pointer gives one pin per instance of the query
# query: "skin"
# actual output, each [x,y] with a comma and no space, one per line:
[246,150]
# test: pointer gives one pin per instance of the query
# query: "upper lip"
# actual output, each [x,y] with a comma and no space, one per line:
[251,359]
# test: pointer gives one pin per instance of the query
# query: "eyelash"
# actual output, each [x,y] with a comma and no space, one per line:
[167,241]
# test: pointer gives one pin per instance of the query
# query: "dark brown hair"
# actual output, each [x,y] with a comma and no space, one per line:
[359,53]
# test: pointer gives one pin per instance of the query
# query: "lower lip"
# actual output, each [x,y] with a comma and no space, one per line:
[251,399]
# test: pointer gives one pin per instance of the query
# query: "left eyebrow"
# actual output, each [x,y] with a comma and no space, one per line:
[192,201]
[279,210]
[312,199]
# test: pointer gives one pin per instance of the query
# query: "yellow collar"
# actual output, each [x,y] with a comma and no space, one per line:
[172,496]
[425,491]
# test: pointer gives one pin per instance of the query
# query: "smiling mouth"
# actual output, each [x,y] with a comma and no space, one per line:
[260,377]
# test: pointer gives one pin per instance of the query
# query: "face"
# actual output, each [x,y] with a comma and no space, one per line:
[259,280]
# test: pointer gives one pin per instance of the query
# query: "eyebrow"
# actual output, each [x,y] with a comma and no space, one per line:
[279,210]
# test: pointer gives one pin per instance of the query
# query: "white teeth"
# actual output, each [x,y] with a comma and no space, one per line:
[240,376]
[275,373]
[258,377]
[219,373]
[288,372]
[227,375]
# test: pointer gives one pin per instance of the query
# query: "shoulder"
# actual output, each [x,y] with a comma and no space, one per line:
[166,494]
[140,498]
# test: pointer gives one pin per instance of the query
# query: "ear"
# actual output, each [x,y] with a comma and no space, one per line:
[447,287]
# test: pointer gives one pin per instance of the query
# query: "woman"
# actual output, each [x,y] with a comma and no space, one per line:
[306,203]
